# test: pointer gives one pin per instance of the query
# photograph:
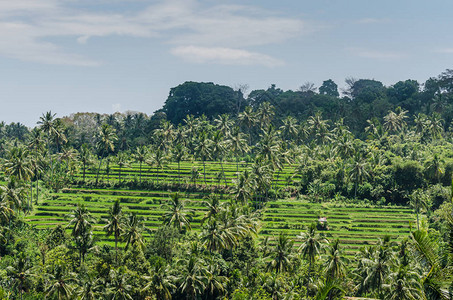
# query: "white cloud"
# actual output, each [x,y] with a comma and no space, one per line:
[376,54]
[226,56]
[28,26]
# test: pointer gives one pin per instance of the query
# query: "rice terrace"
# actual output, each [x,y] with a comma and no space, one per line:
[226,150]
[355,225]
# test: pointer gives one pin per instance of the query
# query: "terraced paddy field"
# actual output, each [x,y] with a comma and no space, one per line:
[355,226]
[171,173]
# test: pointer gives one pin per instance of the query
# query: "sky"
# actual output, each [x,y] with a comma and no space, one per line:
[104,56]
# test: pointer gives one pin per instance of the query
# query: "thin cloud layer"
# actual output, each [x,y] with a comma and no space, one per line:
[201,34]
[226,56]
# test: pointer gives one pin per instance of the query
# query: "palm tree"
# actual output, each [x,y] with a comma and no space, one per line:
[115,224]
[265,114]
[312,245]
[212,202]
[179,154]
[47,122]
[404,285]
[243,187]
[281,255]
[13,194]
[160,283]
[193,278]
[36,145]
[289,128]
[85,157]
[319,128]
[159,159]
[218,151]
[212,237]
[237,145]
[177,214]
[247,118]
[59,286]
[80,220]
[336,263]
[18,164]
[122,160]
[133,231]
[20,273]
[434,166]
[165,135]
[119,288]
[418,201]
[203,150]
[395,122]
[105,143]
[435,271]
[377,267]
[140,155]
[223,124]
[358,172]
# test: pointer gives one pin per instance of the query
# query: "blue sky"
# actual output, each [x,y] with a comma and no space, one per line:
[107,55]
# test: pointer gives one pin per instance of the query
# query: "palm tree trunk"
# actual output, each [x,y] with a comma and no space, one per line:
[99,168]
[119,175]
[140,173]
[179,173]
[223,172]
[37,189]
[204,172]
[84,170]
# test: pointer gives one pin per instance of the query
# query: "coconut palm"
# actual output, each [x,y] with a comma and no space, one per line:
[13,194]
[158,159]
[122,160]
[419,202]
[165,135]
[237,145]
[80,220]
[193,278]
[218,151]
[404,284]
[280,257]
[435,271]
[358,171]
[212,202]
[86,158]
[160,283]
[179,154]
[247,118]
[434,167]
[20,273]
[335,265]
[115,224]
[289,129]
[176,213]
[223,123]
[140,155]
[265,114]
[313,244]
[203,150]
[19,164]
[105,143]
[212,237]
[243,187]
[118,288]
[59,284]
[319,128]
[133,231]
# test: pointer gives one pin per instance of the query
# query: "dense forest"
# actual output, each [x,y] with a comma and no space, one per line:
[374,147]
